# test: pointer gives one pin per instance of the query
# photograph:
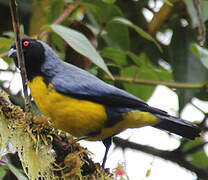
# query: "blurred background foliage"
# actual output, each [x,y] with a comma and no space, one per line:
[144,43]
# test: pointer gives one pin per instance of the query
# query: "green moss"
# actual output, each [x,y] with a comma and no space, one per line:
[45,153]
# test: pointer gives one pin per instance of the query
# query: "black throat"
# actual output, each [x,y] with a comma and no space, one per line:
[34,59]
[33,66]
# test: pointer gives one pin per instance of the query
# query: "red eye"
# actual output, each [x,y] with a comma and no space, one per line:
[26,43]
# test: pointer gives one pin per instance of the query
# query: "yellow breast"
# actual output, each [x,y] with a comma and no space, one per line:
[82,117]
[78,117]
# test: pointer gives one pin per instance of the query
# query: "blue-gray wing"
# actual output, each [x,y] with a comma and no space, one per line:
[76,82]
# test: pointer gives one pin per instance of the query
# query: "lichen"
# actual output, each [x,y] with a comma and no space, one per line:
[15,128]
[45,153]
[4,133]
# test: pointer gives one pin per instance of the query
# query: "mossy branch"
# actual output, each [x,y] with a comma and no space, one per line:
[45,153]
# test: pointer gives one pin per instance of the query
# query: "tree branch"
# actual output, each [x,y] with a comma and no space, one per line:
[175,156]
[154,83]
[56,154]
[20,56]
[160,17]
[201,26]
[4,54]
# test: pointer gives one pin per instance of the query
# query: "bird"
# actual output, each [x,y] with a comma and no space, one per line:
[78,102]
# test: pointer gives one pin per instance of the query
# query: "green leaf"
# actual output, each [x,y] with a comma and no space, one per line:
[118,56]
[164,75]
[80,44]
[168,2]
[136,59]
[201,53]
[5,43]
[17,172]
[199,157]
[55,9]
[22,30]
[140,31]
[143,69]
[143,60]
[109,1]
[142,91]
[186,67]
[94,8]
[2,172]
[103,11]
[115,35]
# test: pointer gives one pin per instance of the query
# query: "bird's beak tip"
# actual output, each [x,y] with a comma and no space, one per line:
[12,53]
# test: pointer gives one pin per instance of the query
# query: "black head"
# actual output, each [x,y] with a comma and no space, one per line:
[33,53]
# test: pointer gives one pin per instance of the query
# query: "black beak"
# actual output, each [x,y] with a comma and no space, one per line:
[12,53]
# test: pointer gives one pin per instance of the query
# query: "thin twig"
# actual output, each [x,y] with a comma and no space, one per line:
[4,54]
[8,70]
[155,83]
[66,13]
[20,56]
[201,26]
[175,156]
[197,107]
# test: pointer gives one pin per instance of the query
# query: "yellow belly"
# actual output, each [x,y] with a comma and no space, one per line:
[82,117]
[78,117]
